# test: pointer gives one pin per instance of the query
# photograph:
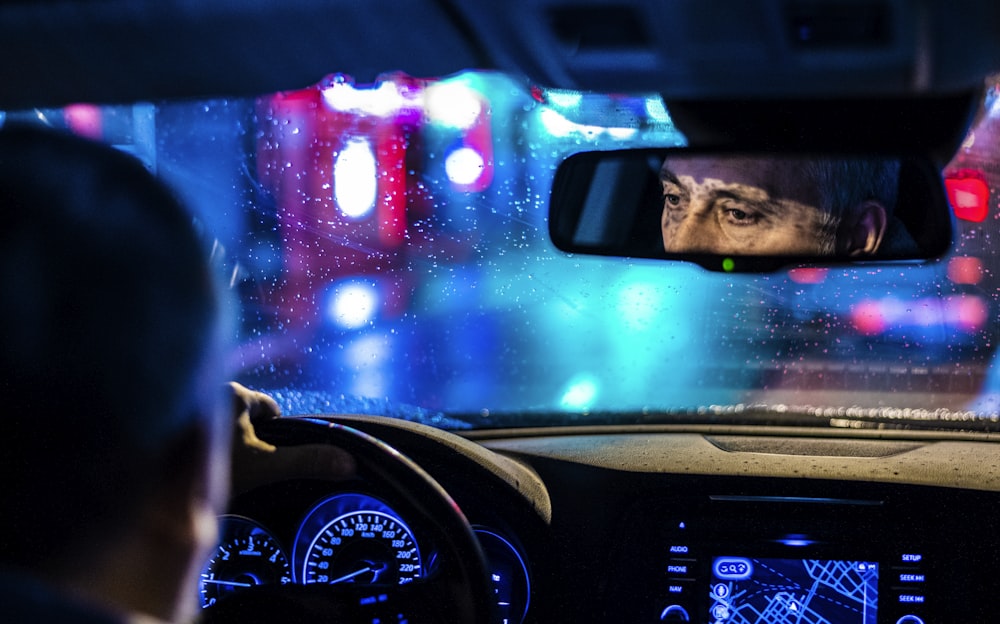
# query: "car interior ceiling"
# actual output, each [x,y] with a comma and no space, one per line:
[67,50]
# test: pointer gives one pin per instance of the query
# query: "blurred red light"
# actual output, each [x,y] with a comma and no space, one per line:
[968,194]
[538,94]
[965,270]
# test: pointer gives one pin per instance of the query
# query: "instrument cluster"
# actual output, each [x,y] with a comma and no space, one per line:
[342,537]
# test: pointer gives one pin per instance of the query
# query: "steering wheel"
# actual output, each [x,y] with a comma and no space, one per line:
[458,591]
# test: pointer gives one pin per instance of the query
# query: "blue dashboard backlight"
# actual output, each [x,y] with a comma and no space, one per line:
[796,540]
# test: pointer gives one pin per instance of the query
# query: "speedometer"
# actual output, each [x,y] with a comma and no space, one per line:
[355,538]
[367,547]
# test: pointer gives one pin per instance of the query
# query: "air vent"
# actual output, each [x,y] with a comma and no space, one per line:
[816,447]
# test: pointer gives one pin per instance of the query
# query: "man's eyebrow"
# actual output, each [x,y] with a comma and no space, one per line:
[667,175]
[742,192]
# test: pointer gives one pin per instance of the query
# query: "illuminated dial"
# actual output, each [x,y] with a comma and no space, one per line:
[508,575]
[366,547]
[246,556]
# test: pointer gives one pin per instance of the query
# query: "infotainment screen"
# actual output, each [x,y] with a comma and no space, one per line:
[759,590]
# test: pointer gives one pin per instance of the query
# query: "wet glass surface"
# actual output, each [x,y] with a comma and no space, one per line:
[389,249]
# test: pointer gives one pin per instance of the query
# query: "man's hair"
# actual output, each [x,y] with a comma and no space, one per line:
[108,314]
[844,183]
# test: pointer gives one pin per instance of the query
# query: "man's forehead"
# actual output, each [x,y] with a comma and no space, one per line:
[779,178]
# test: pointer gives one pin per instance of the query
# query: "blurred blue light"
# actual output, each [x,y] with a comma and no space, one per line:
[383,100]
[453,104]
[556,124]
[464,166]
[640,304]
[657,110]
[370,358]
[796,540]
[352,304]
[564,99]
[559,126]
[580,393]
[622,133]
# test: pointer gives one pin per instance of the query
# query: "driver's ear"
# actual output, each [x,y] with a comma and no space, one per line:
[864,228]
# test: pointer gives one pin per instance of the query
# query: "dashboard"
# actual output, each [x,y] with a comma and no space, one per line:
[709,524]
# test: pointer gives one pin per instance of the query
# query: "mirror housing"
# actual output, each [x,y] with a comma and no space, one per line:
[746,211]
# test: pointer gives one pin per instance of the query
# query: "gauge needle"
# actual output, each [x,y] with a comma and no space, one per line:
[377,571]
[348,577]
[230,583]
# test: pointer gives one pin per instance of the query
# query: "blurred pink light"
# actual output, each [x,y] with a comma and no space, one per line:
[867,318]
[807,275]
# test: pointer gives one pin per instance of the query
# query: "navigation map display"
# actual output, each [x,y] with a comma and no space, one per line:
[747,590]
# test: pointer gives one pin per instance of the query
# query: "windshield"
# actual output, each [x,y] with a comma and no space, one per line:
[388,247]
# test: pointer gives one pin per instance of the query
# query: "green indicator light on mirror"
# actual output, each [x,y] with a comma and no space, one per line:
[728,264]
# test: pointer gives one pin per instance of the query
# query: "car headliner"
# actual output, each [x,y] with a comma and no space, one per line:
[55,52]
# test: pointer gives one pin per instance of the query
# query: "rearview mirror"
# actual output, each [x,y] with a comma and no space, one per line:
[750,212]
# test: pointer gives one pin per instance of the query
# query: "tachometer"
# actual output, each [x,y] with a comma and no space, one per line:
[355,538]
[247,555]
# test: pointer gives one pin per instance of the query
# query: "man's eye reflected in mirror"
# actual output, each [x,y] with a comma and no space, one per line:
[777,206]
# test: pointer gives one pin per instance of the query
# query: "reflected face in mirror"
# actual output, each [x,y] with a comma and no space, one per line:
[738,205]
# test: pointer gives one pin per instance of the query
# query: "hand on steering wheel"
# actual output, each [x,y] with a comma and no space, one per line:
[269,448]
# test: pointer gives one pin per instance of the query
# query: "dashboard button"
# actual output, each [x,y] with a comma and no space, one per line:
[907,577]
[720,590]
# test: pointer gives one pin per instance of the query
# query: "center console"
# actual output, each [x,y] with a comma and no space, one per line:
[727,557]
